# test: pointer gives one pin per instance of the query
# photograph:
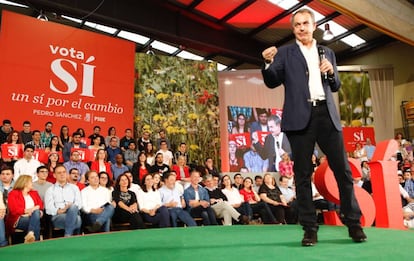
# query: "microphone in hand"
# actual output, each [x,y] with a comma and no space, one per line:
[322,56]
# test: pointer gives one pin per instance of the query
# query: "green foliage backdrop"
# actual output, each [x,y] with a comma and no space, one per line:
[180,96]
[355,100]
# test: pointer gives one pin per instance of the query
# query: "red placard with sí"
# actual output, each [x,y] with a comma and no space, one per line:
[10,151]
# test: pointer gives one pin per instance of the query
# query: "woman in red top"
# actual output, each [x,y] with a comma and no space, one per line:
[25,209]
[286,168]
[258,206]
[101,163]
[51,164]
[182,170]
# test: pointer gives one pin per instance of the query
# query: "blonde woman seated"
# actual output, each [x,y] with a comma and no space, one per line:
[25,209]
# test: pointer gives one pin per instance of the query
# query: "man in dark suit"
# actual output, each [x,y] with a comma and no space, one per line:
[309,116]
[276,143]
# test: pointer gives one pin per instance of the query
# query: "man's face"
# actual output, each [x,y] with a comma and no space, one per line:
[48,127]
[36,136]
[129,175]
[284,183]
[170,182]
[159,158]
[162,135]
[96,130]
[7,127]
[263,118]
[209,183]
[232,147]
[76,139]
[113,142]
[75,156]
[274,128]
[258,182]
[60,174]
[145,135]
[238,180]
[42,174]
[183,147]
[28,153]
[303,27]
[128,133]
[26,128]
[93,178]
[6,176]
[119,159]
[195,178]
[163,145]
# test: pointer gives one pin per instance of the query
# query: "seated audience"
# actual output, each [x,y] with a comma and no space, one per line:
[113,149]
[149,202]
[258,181]
[197,200]
[118,168]
[131,155]
[101,163]
[182,171]
[41,184]
[3,239]
[76,163]
[238,181]
[111,134]
[106,182]
[220,205]
[63,202]
[159,166]
[172,198]
[54,145]
[76,143]
[126,140]
[166,153]
[258,206]
[25,209]
[289,194]
[96,204]
[234,198]
[6,181]
[52,162]
[271,194]
[27,165]
[12,138]
[140,168]
[96,143]
[64,136]
[126,210]
[150,153]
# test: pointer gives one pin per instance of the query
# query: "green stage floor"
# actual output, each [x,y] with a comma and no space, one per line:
[261,242]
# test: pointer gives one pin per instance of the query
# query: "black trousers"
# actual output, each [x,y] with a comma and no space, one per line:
[320,129]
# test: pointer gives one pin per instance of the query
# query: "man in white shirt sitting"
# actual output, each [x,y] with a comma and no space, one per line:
[27,165]
[96,204]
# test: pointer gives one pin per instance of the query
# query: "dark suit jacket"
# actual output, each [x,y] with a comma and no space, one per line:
[290,69]
[268,150]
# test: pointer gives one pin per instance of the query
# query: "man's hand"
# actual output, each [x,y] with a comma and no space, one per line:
[269,53]
[326,67]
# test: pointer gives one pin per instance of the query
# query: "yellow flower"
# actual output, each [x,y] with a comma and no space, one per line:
[170,129]
[173,81]
[137,118]
[146,127]
[138,95]
[157,117]
[149,91]
[177,94]
[172,118]
[182,131]
[192,116]
[165,125]
[194,147]
[162,96]
[356,123]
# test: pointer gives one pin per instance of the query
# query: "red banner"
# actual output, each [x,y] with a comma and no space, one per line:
[9,151]
[85,154]
[262,136]
[354,135]
[242,140]
[73,77]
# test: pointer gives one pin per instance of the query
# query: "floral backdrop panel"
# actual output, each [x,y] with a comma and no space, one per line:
[355,100]
[180,96]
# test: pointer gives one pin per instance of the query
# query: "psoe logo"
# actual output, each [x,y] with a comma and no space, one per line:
[72,57]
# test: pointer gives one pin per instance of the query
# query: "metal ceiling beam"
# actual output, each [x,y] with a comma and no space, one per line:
[237,10]
[154,18]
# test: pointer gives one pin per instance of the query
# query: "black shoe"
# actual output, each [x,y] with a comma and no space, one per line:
[95,227]
[357,234]
[244,220]
[310,238]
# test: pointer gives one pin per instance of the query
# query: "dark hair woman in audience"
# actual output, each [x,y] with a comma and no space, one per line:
[64,136]
[150,153]
[241,125]
[111,134]
[13,138]
[54,145]
[126,210]
[101,163]
[52,162]
[149,202]
[258,206]
[25,209]
[140,168]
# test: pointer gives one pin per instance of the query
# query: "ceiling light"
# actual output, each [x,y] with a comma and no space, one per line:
[327,34]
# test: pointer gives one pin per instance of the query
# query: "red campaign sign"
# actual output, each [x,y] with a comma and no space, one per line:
[86,155]
[354,135]
[41,155]
[242,140]
[262,136]
[66,76]
[9,151]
